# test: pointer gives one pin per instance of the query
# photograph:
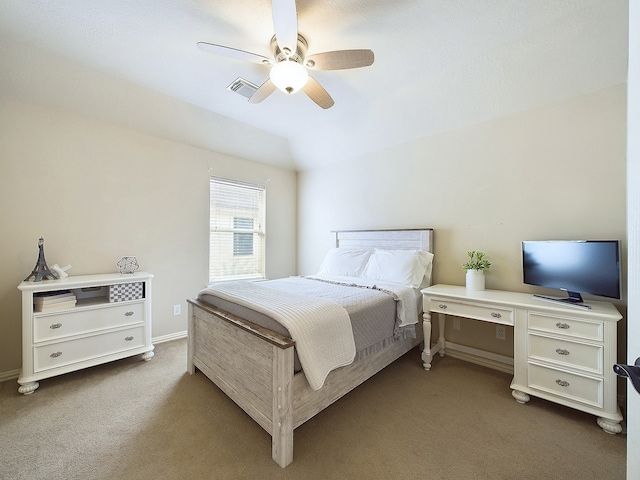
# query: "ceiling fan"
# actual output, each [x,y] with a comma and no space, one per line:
[289,64]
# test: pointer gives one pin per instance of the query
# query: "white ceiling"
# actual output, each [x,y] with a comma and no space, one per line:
[439,64]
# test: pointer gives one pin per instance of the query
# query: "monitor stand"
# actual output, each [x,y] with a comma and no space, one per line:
[573,300]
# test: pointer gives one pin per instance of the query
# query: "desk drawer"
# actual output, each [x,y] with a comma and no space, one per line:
[573,387]
[567,326]
[73,351]
[470,310]
[563,352]
[52,326]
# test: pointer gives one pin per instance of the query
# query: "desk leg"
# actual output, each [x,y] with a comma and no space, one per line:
[441,340]
[427,353]
[609,426]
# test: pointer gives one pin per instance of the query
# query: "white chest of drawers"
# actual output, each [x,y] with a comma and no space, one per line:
[91,332]
[561,353]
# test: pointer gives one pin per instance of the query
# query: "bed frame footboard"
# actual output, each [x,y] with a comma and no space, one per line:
[251,365]
[255,368]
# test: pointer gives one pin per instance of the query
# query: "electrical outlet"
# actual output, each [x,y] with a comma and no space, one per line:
[456,323]
[177,309]
[501,332]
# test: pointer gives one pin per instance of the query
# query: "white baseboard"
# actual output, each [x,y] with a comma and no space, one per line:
[168,338]
[479,357]
[10,375]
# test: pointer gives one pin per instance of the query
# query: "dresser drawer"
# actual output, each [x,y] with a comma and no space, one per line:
[582,356]
[469,310]
[567,326]
[573,387]
[73,351]
[52,326]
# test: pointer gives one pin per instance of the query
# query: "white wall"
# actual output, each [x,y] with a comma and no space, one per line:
[633,187]
[554,172]
[97,192]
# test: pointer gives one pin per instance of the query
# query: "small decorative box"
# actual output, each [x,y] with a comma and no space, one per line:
[123,292]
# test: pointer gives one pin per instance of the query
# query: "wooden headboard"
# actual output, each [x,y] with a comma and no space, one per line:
[405,239]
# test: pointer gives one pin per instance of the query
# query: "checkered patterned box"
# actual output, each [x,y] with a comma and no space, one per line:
[123,292]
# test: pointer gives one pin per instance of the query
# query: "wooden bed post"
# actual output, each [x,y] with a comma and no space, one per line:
[282,420]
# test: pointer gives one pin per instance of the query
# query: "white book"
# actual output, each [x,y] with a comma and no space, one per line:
[54,297]
[54,307]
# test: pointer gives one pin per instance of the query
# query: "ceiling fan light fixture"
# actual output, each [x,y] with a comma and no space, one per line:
[289,76]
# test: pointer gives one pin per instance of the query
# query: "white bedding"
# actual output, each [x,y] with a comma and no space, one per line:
[321,328]
[408,306]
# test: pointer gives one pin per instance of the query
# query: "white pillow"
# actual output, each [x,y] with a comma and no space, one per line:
[345,261]
[406,267]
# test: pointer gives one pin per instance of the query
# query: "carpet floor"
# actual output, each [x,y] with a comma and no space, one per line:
[152,420]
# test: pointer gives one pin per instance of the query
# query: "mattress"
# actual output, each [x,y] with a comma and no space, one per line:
[372,309]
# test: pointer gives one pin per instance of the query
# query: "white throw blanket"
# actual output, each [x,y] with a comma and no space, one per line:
[320,328]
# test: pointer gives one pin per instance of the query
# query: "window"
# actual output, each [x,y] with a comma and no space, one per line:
[236,239]
[242,242]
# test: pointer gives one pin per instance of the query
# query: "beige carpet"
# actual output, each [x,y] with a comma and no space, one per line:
[151,420]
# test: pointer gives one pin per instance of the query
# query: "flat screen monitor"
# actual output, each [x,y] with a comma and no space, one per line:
[576,266]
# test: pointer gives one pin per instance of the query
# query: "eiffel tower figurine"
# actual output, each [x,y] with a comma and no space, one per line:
[41,271]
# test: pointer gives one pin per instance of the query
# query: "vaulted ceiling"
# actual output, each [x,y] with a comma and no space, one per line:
[439,65]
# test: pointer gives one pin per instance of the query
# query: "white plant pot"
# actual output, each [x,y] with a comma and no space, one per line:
[475,280]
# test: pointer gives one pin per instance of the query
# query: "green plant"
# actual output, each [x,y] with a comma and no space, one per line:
[477,261]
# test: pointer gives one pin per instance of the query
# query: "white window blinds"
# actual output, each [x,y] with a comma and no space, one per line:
[237,225]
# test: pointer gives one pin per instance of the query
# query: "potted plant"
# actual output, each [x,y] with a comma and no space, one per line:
[475,267]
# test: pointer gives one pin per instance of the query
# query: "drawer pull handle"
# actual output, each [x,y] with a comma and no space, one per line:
[562,351]
[496,315]
[443,306]
[128,314]
[55,325]
[563,326]
[55,354]
[562,383]
[128,339]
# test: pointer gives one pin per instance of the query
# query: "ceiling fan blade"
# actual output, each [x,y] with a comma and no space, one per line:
[285,23]
[340,60]
[233,53]
[318,94]
[266,89]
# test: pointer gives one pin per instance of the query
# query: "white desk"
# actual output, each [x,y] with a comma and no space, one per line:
[561,353]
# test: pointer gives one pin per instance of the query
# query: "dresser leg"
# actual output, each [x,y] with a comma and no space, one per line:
[520,397]
[609,426]
[28,388]
[146,356]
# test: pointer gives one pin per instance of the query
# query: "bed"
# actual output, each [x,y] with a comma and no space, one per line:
[271,376]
